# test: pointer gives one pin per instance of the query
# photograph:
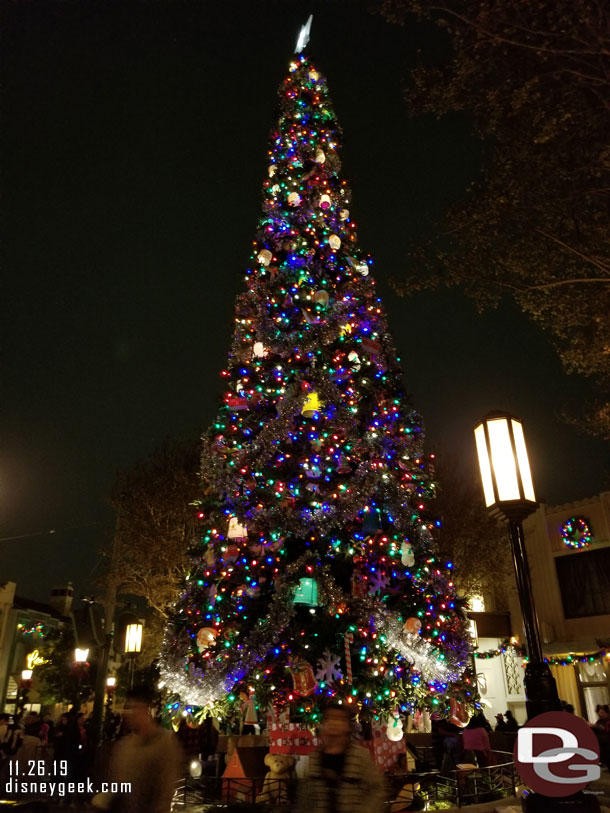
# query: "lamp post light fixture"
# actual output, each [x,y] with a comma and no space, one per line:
[508,489]
[24,687]
[110,684]
[81,655]
[133,638]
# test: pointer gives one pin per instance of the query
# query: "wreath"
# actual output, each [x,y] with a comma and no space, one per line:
[576,533]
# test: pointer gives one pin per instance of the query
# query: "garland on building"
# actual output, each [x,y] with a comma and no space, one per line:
[564,660]
[315,529]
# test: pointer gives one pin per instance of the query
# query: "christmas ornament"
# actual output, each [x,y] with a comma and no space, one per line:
[324,202]
[321,298]
[265,256]
[320,157]
[313,75]
[306,592]
[328,668]
[343,214]
[458,713]
[412,626]
[371,346]
[272,170]
[344,466]
[378,581]
[312,405]
[259,350]
[406,554]
[393,728]
[237,403]
[205,638]
[294,199]
[237,532]
[354,360]
[349,640]
[334,242]
[303,680]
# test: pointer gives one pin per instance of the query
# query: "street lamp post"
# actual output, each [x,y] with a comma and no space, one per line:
[24,687]
[133,642]
[509,494]
[80,667]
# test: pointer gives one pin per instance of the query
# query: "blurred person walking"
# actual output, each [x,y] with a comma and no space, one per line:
[342,777]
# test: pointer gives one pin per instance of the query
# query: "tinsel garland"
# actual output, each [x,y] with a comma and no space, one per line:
[426,659]
[202,687]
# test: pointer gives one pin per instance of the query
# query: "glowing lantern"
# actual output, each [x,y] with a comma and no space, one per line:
[133,637]
[312,405]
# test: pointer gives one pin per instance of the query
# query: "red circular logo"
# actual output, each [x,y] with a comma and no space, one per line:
[557,754]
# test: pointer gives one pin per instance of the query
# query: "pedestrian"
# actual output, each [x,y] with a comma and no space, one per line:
[189,739]
[32,738]
[149,758]
[475,738]
[341,777]
[511,723]
[208,742]
[601,729]
[500,723]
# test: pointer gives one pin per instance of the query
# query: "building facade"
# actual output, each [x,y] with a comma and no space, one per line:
[568,549]
[23,625]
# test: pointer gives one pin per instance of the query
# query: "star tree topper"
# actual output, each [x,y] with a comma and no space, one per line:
[303,35]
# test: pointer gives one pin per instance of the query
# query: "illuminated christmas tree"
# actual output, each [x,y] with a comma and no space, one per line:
[315,577]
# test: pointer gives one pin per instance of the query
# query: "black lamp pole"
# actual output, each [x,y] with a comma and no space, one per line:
[509,494]
[540,687]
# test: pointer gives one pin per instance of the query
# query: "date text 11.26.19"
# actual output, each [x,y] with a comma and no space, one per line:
[38,767]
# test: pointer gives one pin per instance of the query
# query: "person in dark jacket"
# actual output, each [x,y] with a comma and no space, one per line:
[342,777]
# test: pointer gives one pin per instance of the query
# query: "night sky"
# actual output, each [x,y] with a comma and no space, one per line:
[135,140]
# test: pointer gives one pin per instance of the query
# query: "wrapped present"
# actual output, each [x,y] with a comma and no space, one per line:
[290,738]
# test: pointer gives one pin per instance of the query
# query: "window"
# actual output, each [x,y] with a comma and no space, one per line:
[594,684]
[584,582]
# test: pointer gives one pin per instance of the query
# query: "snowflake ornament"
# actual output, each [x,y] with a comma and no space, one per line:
[328,670]
[378,581]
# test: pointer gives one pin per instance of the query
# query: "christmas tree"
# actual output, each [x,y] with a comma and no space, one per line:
[315,577]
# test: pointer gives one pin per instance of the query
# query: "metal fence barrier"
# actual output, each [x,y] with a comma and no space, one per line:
[459,788]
